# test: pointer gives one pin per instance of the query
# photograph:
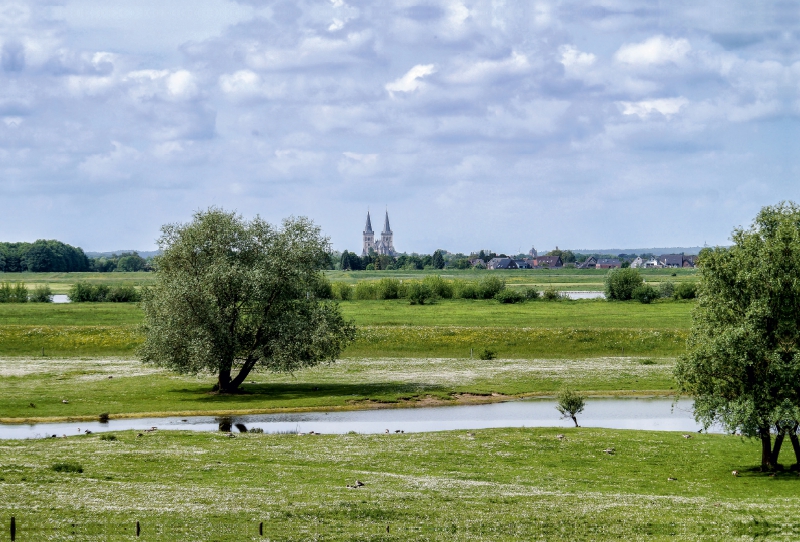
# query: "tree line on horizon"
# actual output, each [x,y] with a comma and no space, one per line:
[51,256]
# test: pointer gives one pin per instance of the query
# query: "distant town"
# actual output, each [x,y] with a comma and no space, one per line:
[378,253]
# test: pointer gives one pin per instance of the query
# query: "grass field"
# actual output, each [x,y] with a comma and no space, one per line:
[449,328]
[60,282]
[561,279]
[494,484]
[350,383]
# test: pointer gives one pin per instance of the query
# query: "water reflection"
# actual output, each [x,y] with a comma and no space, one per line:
[615,413]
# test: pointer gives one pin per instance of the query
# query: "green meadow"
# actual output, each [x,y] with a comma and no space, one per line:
[34,388]
[493,484]
[560,279]
[393,328]
[403,355]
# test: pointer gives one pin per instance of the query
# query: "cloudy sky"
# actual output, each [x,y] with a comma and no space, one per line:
[494,124]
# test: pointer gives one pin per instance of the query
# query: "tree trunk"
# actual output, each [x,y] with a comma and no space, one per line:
[776,448]
[224,380]
[795,445]
[574,419]
[227,384]
[766,449]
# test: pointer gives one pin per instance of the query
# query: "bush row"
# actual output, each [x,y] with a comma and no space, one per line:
[433,287]
[19,293]
[82,292]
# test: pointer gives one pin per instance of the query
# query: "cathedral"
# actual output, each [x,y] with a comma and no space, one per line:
[384,246]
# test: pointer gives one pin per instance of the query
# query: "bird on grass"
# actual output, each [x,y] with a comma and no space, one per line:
[609,451]
[735,472]
[357,485]
[32,405]
[65,401]
[671,479]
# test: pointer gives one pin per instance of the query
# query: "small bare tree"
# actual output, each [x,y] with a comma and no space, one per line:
[570,404]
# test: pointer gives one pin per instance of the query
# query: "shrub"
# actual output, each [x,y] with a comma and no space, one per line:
[570,404]
[322,288]
[465,289]
[108,437]
[67,467]
[255,430]
[439,286]
[103,417]
[365,289]
[551,294]
[342,291]
[620,283]
[122,293]
[509,296]
[666,289]
[418,293]
[83,292]
[42,294]
[387,288]
[17,293]
[531,293]
[645,293]
[685,290]
[490,286]
[488,354]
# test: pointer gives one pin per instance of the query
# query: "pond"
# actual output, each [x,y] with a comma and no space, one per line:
[585,295]
[657,414]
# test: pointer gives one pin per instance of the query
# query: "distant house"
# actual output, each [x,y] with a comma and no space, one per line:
[549,261]
[690,260]
[501,263]
[637,262]
[671,260]
[477,262]
[588,263]
[608,263]
[652,263]
[522,264]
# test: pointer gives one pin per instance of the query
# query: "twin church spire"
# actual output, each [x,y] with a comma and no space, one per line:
[384,246]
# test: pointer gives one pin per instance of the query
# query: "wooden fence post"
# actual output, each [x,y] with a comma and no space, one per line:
[13,528]
[138,529]
[261,529]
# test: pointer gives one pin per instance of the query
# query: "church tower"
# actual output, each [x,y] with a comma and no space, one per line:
[387,237]
[369,237]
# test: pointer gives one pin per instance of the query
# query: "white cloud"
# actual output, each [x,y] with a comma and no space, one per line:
[516,63]
[412,80]
[654,51]
[572,58]
[665,106]
[164,84]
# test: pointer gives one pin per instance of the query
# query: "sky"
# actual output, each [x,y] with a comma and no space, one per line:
[494,124]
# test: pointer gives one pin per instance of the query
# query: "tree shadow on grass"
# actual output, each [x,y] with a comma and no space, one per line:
[309,393]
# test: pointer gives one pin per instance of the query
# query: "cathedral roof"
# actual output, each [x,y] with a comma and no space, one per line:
[386,227]
[368,227]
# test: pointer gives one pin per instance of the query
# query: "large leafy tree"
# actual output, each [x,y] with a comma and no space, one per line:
[743,360]
[232,296]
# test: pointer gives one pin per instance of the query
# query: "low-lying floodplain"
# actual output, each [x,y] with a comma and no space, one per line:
[514,483]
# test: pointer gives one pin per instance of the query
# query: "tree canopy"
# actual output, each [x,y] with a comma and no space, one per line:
[42,256]
[743,358]
[233,296]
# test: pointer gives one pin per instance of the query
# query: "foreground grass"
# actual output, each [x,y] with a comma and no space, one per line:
[494,484]
[352,383]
